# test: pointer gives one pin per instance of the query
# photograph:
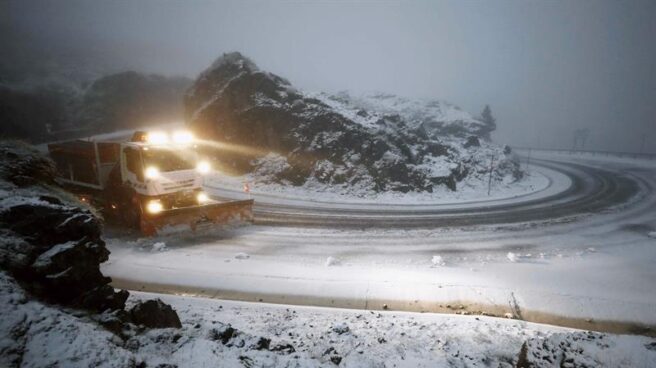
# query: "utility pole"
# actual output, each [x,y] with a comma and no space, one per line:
[642,144]
[528,159]
[489,180]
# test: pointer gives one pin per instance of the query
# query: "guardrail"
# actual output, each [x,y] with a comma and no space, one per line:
[638,155]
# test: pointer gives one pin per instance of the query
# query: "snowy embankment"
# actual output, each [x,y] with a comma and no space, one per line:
[539,182]
[593,272]
[474,190]
[232,334]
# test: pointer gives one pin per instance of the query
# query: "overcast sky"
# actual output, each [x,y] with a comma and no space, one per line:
[545,67]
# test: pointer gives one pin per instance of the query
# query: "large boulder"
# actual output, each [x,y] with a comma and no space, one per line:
[50,244]
[575,349]
[154,313]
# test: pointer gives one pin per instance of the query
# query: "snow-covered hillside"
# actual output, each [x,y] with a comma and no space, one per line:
[52,107]
[377,142]
[436,117]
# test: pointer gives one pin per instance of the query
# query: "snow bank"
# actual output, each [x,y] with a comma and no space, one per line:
[159,247]
[332,261]
[513,257]
[242,256]
[438,261]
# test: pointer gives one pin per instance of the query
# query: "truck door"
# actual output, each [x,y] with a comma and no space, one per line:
[132,168]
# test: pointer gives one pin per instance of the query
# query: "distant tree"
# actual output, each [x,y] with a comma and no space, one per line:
[489,123]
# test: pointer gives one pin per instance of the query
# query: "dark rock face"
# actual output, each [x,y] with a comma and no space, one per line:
[53,247]
[313,137]
[22,165]
[45,224]
[57,254]
[472,141]
[223,334]
[577,349]
[103,298]
[154,314]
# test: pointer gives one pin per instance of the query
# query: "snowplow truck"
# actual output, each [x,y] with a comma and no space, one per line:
[152,182]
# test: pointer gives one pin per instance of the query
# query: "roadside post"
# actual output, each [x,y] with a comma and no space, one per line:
[489,181]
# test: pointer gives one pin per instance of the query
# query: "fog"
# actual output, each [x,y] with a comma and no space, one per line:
[546,68]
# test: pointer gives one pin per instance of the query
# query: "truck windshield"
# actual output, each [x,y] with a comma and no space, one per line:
[167,160]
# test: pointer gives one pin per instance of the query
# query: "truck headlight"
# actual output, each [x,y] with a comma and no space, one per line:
[151,172]
[202,197]
[154,206]
[203,167]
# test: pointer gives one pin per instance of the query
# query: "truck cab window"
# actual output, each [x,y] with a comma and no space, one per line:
[133,162]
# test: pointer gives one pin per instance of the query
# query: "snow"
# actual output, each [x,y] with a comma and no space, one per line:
[332,261]
[241,255]
[540,182]
[594,272]
[33,334]
[377,104]
[512,257]
[38,335]
[438,261]
[10,199]
[159,247]
[559,278]
[45,259]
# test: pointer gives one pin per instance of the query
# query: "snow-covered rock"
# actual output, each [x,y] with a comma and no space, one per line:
[154,313]
[437,260]
[22,165]
[332,261]
[513,257]
[159,247]
[242,255]
[340,328]
[49,241]
[576,349]
[376,141]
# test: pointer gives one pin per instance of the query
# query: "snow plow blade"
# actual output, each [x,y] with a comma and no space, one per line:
[215,213]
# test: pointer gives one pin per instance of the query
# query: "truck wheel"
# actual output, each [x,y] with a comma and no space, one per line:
[132,214]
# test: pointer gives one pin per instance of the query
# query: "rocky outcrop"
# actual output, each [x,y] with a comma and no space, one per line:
[23,166]
[53,246]
[154,314]
[287,136]
[576,349]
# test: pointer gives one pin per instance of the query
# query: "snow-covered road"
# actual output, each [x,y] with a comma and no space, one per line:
[550,261]
[571,189]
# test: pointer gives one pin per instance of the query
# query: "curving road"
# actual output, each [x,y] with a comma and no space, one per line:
[591,190]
